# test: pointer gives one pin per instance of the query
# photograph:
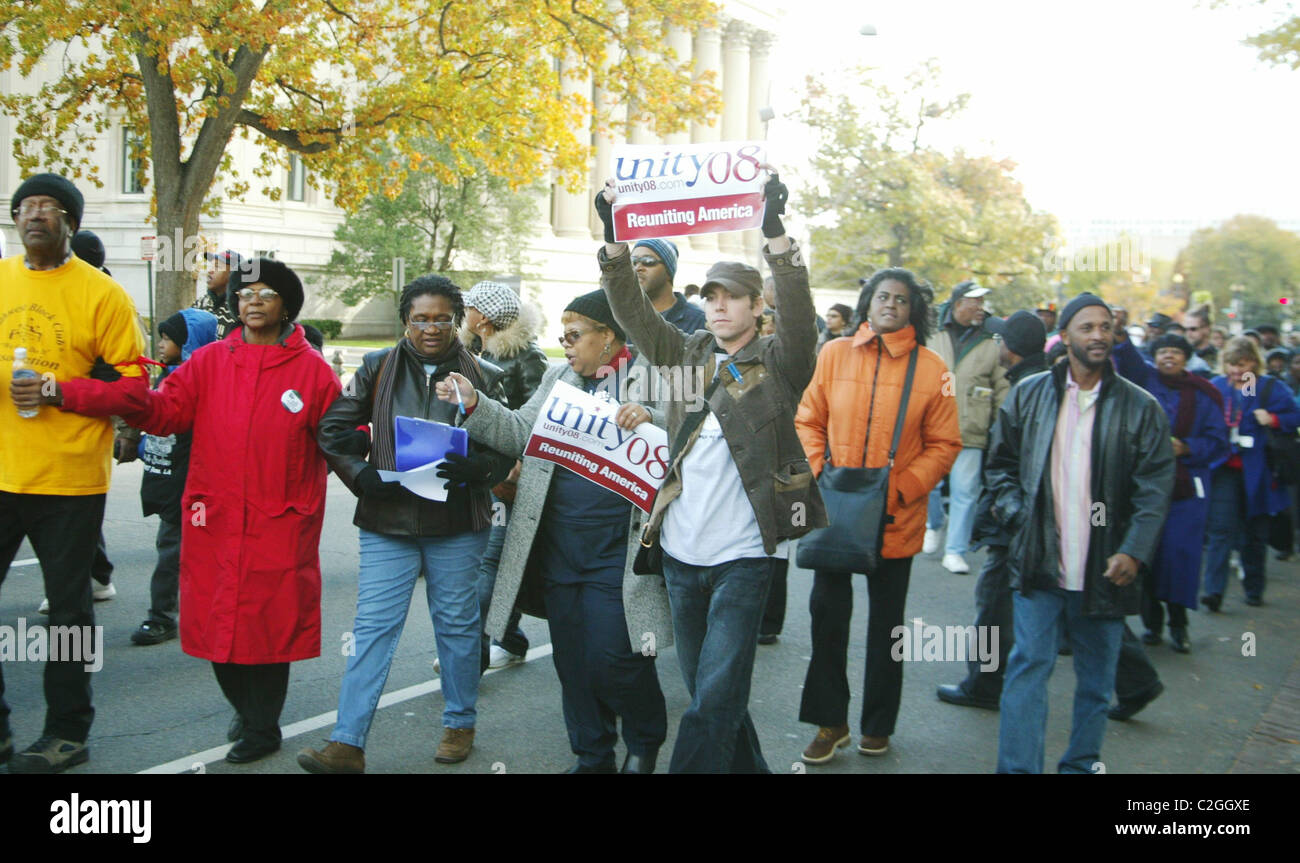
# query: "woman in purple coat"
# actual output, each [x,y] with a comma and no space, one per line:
[1200,437]
[1246,494]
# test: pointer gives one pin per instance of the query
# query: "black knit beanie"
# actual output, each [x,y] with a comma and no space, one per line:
[595,305]
[272,273]
[175,329]
[58,188]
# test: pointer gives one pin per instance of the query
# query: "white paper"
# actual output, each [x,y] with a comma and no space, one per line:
[422,480]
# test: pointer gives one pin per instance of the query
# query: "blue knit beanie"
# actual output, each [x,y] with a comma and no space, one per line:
[665,249]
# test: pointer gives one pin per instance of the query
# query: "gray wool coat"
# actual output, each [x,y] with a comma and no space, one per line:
[645,597]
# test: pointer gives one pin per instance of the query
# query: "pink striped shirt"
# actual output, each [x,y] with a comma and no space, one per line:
[1072,480]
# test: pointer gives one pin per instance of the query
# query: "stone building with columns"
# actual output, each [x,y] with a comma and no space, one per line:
[559,253]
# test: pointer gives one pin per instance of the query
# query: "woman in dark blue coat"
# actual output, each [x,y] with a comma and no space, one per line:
[1200,438]
[1245,493]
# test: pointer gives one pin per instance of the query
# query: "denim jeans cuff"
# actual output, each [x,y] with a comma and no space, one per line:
[349,739]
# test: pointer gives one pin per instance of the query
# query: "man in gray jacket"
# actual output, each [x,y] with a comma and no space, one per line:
[738,486]
[980,384]
[1080,474]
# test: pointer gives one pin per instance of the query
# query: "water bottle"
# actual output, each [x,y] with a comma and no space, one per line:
[22,371]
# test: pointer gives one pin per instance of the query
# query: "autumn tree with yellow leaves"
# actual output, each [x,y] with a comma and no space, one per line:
[337,82]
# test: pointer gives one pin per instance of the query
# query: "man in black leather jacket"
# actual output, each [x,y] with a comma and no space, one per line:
[403,535]
[1080,471]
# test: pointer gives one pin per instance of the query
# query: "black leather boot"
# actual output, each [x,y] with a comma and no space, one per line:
[640,763]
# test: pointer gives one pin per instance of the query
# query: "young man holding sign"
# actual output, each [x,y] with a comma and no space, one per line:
[739,486]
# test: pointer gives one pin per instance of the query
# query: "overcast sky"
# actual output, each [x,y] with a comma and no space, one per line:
[1146,110]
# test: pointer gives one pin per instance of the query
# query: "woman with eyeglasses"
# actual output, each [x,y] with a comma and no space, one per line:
[573,542]
[254,500]
[403,534]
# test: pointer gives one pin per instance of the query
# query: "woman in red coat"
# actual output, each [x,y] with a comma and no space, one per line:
[254,501]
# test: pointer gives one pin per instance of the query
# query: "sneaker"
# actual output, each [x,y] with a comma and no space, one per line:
[154,632]
[455,746]
[956,564]
[49,755]
[873,745]
[823,747]
[334,758]
[499,657]
[104,592]
[931,544]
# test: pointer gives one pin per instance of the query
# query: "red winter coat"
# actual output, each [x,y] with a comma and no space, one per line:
[254,501]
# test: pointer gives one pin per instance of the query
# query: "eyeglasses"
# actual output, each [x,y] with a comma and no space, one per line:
[570,337]
[247,294]
[27,209]
[441,326]
[646,262]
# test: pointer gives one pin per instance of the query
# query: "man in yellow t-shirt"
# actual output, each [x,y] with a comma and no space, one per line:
[54,467]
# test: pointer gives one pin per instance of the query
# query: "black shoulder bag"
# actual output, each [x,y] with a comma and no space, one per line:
[857,502]
[649,558]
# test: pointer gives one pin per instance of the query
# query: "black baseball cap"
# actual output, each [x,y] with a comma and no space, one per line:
[1023,332]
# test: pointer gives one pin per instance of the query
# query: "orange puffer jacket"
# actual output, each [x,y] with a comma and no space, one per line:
[838,399]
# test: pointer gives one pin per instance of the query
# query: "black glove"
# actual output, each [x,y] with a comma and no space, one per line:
[605,210]
[466,469]
[775,194]
[355,442]
[371,485]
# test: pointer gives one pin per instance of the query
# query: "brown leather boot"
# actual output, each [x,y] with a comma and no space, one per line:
[873,745]
[334,758]
[455,746]
[823,747]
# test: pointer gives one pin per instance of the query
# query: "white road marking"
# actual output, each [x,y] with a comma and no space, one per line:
[31,561]
[388,699]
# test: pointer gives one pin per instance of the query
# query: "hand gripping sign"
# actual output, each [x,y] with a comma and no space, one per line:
[675,190]
[577,431]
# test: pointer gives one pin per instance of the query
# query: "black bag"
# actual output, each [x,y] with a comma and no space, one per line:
[1281,450]
[649,558]
[857,503]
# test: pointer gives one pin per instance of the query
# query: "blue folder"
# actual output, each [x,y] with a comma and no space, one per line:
[420,442]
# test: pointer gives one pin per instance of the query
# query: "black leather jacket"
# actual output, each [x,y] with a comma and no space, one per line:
[986,530]
[1132,478]
[413,396]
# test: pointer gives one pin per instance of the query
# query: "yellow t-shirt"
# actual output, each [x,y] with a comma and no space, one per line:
[65,317]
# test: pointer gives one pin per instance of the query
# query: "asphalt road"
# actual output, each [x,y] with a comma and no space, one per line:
[157,708]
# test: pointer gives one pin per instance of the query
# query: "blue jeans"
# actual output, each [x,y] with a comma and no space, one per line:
[716,615]
[963,493]
[1229,527]
[389,568]
[515,641]
[934,508]
[1096,641]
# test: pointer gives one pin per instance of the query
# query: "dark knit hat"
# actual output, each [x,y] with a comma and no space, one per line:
[274,275]
[595,305]
[175,329]
[665,249]
[87,246]
[1077,305]
[1172,340]
[58,188]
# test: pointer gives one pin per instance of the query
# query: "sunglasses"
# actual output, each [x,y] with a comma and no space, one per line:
[646,262]
[265,293]
[442,326]
[570,337]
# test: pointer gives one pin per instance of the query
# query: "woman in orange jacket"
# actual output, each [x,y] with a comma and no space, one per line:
[860,380]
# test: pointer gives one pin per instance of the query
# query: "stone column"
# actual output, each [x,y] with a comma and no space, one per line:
[707,57]
[759,97]
[735,99]
[570,215]
[679,41]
